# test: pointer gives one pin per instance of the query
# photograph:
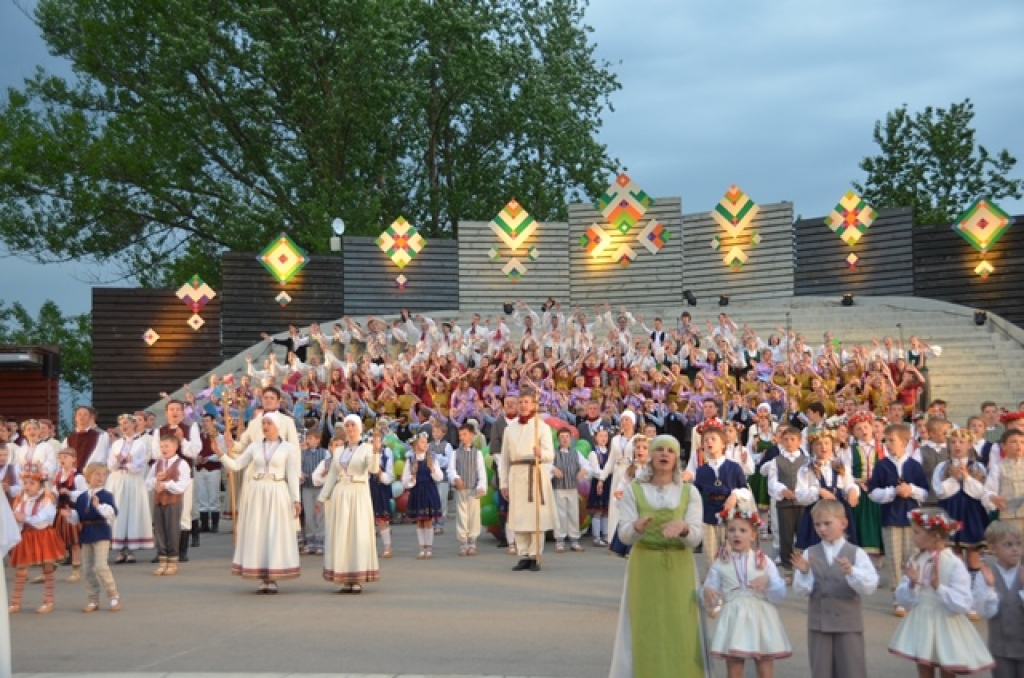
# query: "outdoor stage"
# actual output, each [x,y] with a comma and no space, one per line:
[448,616]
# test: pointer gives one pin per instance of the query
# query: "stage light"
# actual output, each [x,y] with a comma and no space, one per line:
[847,300]
[723,300]
[338,226]
[508,308]
[690,299]
[980,318]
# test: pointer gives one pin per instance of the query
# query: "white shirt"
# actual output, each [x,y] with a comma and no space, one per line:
[862,578]
[954,588]
[776,488]
[776,590]
[986,598]
[948,487]
[886,495]
[808,487]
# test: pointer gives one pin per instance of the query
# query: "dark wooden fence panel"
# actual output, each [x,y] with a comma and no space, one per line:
[126,373]
[370,288]
[248,306]
[884,255]
[31,392]
[944,269]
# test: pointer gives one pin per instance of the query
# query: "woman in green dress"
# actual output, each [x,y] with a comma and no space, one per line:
[661,629]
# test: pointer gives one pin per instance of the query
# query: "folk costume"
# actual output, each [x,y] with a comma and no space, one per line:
[188,449]
[95,522]
[168,506]
[526,487]
[467,466]
[133,526]
[40,545]
[90,445]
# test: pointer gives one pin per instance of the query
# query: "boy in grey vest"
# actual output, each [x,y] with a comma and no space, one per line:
[834,574]
[998,597]
[782,473]
[442,451]
[567,470]
[467,475]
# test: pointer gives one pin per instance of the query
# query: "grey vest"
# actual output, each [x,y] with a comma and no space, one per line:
[437,449]
[930,459]
[787,471]
[834,606]
[465,466]
[1004,630]
[569,464]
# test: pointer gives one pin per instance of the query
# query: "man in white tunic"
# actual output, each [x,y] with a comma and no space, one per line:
[525,447]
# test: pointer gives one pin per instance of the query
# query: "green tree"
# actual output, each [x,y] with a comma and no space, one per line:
[194,127]
[932,162]
[73,334]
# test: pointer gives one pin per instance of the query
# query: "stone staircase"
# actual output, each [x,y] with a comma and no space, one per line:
[977,363]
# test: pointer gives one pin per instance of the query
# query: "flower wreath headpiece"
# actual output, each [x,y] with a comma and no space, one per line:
[939,521]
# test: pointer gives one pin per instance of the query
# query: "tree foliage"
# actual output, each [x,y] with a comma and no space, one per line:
[193,126]
[73,334]
[931,161]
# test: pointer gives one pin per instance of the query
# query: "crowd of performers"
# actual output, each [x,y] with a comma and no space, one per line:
[678,441]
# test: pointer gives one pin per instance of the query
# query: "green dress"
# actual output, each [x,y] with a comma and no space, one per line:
[664,614]
[867,515]
[758,483]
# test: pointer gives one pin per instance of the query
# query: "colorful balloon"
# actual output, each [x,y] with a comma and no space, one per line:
[488,515]
[399,467]
[397,489]
[583,447]
[402,503]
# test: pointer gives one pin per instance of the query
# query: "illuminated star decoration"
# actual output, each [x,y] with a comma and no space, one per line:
[595,240]
[735,212]
[982,225]
[513,225]
[654,236]
[150,337]
[283,299]
[283,259]
[401,242]
[196,294]
[851,218]
[623,204]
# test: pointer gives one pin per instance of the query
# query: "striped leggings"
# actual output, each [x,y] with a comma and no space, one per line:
[21,578]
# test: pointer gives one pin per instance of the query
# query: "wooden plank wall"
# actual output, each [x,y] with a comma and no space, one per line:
[651,278]
[30,393]
[126,373]
[768,272]
[370,288]
[482,285]
[944,269]
[248,306]
[884,252]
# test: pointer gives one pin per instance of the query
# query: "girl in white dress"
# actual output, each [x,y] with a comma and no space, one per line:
[267,548]
[619,459]
[936,634]
[747,586]
[127,463]
[350,549]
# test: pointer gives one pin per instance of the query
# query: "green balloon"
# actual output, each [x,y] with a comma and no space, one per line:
[489,515]
[486,500]
[489,462]
[583,447]
[486,450]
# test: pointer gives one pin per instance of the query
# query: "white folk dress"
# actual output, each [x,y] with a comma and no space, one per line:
[350,549]
[936,632]
[620,454]
[133,524]
[267,547]
[10,535]
[748,625]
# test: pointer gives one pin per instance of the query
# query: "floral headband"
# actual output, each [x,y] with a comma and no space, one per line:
[736,513]
[819,435]
[935,521]
[960,434]
[1011,416]
[860,418]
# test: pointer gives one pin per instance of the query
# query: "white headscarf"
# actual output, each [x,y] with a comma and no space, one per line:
[354,418]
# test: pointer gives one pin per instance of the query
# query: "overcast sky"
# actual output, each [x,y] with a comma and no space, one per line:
[778,96]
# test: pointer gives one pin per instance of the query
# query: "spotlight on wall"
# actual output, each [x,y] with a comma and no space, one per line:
[508,308]
[723,300]
[980,318]
[690,299]
[847,300]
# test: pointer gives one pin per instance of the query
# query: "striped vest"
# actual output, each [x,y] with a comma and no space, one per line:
[1011,486]
[465,466]
[568,462]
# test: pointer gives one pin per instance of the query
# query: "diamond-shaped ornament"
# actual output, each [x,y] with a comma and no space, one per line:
[513,225]
[735,258]
[401,242]
[283,259]
[150,337]
[755,239]
[494,254]
[716,243]
[623,204]
[624,256]
[195,293]
[595,240]
[735,211]
[982,224]
[851,218]
[533,254]
[653,236]
[984,269]
[195,322]
[401,281]
[514,269]
[852,260]
[283,299]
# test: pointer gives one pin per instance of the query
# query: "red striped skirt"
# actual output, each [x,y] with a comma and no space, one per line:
[37,547]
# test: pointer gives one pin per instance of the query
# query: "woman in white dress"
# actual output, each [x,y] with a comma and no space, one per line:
[660,632]
[10,535]
[350,549]
[267,547]
[619,458]
[127,463]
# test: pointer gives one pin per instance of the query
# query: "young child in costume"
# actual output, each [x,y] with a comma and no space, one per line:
[34,511]
[380,489]
[568,469]
[782,472]
[1004,487]
[722,484]
[420,476]
[94,512]
[467,474]
[312,455]
[745,585]
[865,453]
[824,477]
[168,479]
[68,483]
[834,574]
[639,452]
[937,590]
[600,488]
[999,598]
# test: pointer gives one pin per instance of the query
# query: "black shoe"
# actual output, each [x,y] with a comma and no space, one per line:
[523,564]
[502,544]
[204,522]
[534,566]
[195,533]
[215,522]
[156,559]
[183,547]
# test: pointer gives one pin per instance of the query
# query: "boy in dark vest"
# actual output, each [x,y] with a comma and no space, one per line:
[932,452]
[568,469]
[782,472]
[168,479]
[94,511]
[835,575]
[468,476]
[997,597]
